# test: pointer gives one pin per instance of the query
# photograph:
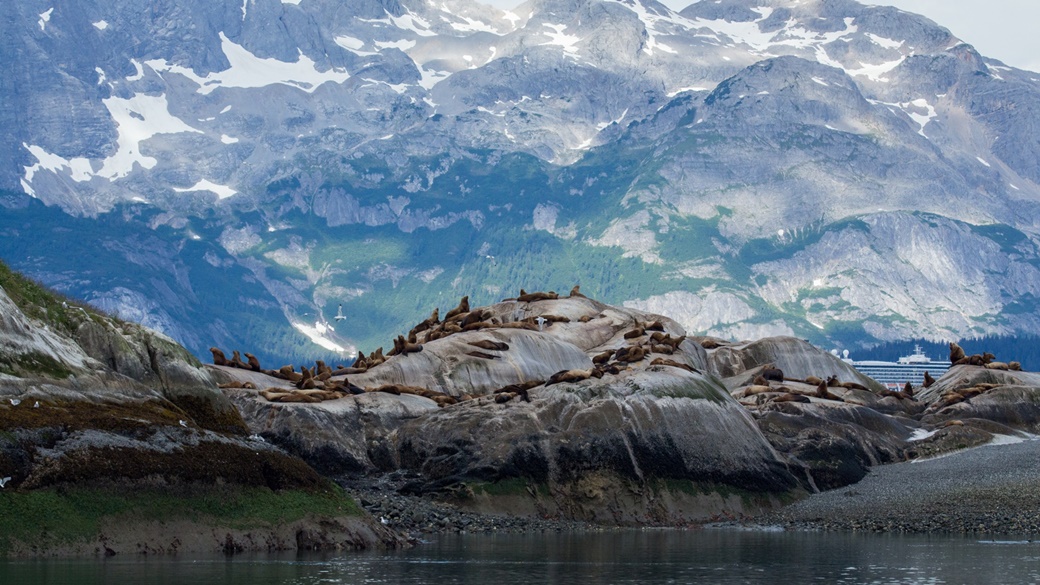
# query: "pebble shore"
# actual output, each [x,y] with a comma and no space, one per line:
[993,489]
[416,516]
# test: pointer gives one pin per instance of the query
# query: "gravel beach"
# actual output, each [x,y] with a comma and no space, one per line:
[993,489]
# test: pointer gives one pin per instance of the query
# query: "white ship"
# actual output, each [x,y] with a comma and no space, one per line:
[911,368]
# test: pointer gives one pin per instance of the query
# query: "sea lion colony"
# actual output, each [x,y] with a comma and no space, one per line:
[325,383]
[769,385]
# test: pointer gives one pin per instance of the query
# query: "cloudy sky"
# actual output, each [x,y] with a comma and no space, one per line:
[1001,29]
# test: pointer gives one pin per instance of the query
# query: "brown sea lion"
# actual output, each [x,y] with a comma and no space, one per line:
[462,308]
[630,354]
[1015,366]
[219,359]
[956,353]
[482,355]
[760,381]
[711,343]
[792,398]
[477,326]
[997,366]
[361,362]
[662,348]
[635,333]
[813,380]
[236,361]
[576,292]
[254,364]
[675,342]
[489,345]
[823,391]
[928,380]
[674,364]
[237,384]
[771,372]
[603,358]
[655,326]
[753,390]
[573,376]
[474,317]
[536,296]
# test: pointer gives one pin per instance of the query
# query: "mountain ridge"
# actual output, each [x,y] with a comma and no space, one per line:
[769,157]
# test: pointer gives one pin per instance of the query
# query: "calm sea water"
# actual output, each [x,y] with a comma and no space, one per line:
[628,557]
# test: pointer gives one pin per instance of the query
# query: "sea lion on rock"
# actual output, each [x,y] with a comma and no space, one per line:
[219,359]
[789,397]
[489,345]
[254,364]
[236,361]
[956,353]
[771,372]
[1014,366]
[754,389]
[655,326]
[603,358]
[674,364]
[462,308]
[237,384]
[663,348]
[573,376]
[630,354]
[576,292]
[482,355]
[928,380]
[526,297]
[814,381]
[997,366]
[823,391]
[474,317]
[635,333]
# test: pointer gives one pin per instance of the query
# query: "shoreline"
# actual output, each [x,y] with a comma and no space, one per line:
[989,489]
[985,490]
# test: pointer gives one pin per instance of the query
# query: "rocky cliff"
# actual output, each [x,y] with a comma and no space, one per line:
[114,440]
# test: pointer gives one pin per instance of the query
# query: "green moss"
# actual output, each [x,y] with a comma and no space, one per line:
[41,303]
[53,517]
[34,363]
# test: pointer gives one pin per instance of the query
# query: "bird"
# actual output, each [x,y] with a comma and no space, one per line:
[4,481]
[541,321]
[183,424]
[15,402]
[339,313]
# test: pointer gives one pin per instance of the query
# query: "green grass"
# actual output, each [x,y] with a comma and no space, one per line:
[66,516]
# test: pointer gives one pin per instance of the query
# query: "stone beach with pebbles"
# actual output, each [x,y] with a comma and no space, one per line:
[991,489]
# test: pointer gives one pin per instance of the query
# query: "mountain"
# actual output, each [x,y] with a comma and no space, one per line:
[230,173]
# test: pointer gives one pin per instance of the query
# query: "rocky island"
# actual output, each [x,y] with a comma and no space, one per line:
[535,411]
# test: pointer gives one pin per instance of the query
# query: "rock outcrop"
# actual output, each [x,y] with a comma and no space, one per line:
[95,408]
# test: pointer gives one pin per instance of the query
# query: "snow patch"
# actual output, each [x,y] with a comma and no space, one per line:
[559,38]
[293,2]
[138,119]
[249,71]
[403,44]
[682,89]
[983,161]
[353,45]
[45,17]
[884,42]
[228,139]
[221,191]
[79,168]
[140,71]
[100,25]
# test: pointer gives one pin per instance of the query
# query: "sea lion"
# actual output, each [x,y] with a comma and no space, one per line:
[236,361]
[475,317]
[462,308]
[823,391]
[573,376]
[630,354]
[219,359]
[675,342]
[520,389]
[789,397]
[361,362]
[658,336]
[663,348]
[997,366]
[771,372]
[477,326]
[576,292]
[760,381]
[482,355]
[956,353]
[254,364]
[814,381]
[711,343]
[603,358]
[635,333]
[674,364]
[489,345]
[1014,366]
[928,380]
[655,326]
[526,297]
[755,389]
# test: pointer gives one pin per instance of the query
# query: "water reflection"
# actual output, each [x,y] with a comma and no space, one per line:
[626,557]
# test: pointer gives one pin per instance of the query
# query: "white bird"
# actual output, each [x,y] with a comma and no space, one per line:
[541,321]
[4,481]
[339,313]
[37,405]
[183,424]
[15,402]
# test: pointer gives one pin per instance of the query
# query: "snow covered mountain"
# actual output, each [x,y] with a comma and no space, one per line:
[817,167]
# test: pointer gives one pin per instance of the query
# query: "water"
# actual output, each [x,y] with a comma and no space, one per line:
[629,557]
